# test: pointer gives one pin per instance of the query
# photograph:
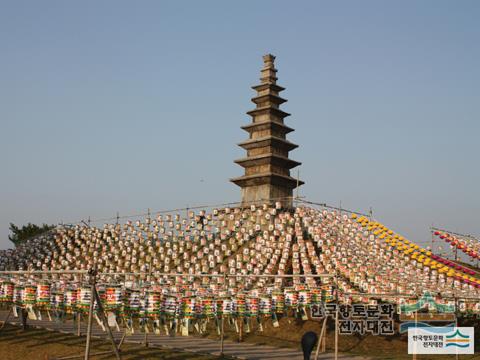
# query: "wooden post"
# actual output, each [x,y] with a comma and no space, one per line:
[24,315]
[222,335]
[90,316]
[240,328]
[6,320]
[105,323]
[79,319]
[321,337]
[324,343]
[145,337]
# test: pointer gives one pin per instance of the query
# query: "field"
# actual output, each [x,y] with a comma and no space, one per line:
[47,345]
[377,347]
[36,344]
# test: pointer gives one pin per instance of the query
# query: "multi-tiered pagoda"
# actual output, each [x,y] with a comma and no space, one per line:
[267,166]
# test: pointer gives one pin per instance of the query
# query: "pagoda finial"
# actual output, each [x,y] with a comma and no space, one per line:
[269,59]
[268,73]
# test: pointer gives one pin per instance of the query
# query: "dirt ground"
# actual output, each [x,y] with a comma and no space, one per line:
[290,332]
[36,344]
[46,345]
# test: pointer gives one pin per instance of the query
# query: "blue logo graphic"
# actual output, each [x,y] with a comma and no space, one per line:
[458,339]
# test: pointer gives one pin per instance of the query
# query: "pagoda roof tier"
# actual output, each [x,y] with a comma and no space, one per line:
[268,158]
[273,87]
[267,178]
[268,109]
[264,125]
[268,141]
[270,97]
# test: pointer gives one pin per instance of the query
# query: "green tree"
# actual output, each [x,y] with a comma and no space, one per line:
[20,235]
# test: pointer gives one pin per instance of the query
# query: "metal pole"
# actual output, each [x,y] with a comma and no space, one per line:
[433,239]
[38,272]
[456,325]
[336,314]
[105,322]
[415,349]
[90,315]
[336,334]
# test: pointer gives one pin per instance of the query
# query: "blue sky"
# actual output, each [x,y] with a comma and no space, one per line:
[110,106]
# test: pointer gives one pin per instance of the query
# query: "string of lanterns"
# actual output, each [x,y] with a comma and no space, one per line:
[364,256]
[422,257]
[466,245]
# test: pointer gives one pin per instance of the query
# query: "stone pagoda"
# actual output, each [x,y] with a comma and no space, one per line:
[267,165]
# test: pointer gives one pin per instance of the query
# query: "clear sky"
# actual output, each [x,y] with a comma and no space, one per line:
[110,106]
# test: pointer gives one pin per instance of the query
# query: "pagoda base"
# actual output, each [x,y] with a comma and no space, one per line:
[267,194]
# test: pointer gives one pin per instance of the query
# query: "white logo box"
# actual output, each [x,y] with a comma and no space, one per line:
[441,340]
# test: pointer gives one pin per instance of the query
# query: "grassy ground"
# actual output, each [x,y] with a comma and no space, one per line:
[36,344]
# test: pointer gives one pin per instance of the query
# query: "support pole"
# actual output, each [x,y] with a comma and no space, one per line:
[336,334]
[6,319]
[94,354]
[79,324]
[321,337]
[24,316]
[90,315]
[105,323]
[240,328]
[222,335]
[414,357]
[324,343]
[456,324]
[145,328]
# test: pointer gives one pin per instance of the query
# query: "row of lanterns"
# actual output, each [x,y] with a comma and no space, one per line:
[420,255]
[153,301]
[459,243]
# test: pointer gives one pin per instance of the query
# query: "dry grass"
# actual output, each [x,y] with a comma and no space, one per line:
[37,344]
[42,344]
[291,331]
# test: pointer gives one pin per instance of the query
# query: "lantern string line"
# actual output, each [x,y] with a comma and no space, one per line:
[65,273]
[236,203]
[455,233]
